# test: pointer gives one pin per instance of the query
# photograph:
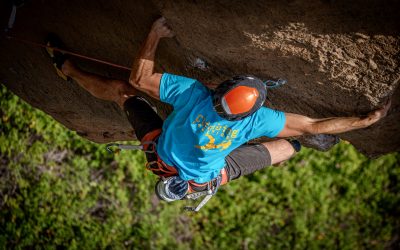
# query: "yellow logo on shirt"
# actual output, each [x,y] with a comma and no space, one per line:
[213,131]
[211,144]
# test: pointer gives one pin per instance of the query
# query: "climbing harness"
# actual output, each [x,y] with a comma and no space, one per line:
[170,187]
[173,188]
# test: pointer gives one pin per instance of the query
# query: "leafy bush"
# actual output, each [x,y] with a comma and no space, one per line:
[58,190]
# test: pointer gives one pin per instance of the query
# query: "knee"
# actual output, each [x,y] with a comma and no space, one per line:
[286,148]
[122,92]
[280,150]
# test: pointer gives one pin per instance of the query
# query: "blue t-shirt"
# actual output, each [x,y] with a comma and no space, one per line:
[195,139]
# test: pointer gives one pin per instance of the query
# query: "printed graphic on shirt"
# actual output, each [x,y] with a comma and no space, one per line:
[211,144]
[215,131]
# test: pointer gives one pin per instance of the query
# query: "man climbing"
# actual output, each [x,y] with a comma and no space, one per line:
[202,143]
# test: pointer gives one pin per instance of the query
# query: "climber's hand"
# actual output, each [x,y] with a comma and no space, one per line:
[161,29]
[378,114]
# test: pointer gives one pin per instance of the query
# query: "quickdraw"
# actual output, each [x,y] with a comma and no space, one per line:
[212,190]
[270,84]
[131,147]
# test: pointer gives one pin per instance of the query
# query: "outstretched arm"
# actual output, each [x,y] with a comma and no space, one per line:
[299,125]
[142,76]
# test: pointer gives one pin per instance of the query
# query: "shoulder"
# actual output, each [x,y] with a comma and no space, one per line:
[171,80]
[168,77]
[269,121]
[269,113]
[175,89]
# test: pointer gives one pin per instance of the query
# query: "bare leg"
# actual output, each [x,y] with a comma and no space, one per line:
[100,87]
[280,150]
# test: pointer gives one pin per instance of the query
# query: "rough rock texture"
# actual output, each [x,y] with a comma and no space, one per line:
[341,58]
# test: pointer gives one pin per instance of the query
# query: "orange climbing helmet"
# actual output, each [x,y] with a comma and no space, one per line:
[239,97]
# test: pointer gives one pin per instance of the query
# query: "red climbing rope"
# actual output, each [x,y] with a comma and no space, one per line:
[67,52]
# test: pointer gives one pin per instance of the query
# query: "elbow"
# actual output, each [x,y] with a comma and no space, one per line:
[134,82]
[310,127]
[297,125]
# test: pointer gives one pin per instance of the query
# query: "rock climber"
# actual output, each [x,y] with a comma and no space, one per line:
[202,143]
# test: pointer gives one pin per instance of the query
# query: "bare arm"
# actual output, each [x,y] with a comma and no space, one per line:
[142,76]
[299,125]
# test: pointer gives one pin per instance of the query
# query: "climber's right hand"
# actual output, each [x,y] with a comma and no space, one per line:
[378,114]
[161,28]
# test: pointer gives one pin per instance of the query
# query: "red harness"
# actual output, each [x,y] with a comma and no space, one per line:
[160,168]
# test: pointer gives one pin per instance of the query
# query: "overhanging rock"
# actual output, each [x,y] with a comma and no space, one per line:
[341,58]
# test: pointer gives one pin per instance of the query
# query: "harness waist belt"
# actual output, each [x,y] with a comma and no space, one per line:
[160,168]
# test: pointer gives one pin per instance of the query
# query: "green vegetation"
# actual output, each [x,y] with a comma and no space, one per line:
[58,190]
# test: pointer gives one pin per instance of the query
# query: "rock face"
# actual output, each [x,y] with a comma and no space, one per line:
[341,58]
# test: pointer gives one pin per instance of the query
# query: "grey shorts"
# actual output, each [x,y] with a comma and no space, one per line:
[244,160]
[247,159]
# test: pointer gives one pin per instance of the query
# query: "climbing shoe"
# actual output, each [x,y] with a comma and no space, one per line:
[295,144]
[57,57]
